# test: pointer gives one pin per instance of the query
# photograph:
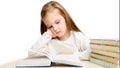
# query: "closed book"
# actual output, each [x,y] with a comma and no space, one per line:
[104,52]
[104,63]
[105,47]
[105,41]
[105,58]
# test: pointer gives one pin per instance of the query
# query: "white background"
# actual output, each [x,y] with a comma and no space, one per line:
[20,23]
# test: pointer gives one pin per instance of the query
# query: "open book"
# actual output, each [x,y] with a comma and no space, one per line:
[44,62]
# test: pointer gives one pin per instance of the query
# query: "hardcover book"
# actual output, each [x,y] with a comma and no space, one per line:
[55,60]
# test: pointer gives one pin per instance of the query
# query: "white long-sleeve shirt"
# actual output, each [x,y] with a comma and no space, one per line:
[77,43]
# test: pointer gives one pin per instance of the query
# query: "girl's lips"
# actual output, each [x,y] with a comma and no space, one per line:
[58,32]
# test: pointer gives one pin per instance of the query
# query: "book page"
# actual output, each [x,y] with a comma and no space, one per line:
[66,59]
[42,61]
[63,48]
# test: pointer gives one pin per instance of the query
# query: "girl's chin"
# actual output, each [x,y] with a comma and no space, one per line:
[60,36]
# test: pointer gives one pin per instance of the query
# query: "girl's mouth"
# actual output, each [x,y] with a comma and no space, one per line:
[58,32]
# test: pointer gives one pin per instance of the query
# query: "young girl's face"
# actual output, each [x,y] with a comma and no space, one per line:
[56,23]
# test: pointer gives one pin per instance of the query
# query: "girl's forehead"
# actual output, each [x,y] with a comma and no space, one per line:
[52,14]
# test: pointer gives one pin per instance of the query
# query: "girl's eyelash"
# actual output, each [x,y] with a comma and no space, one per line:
[57,22]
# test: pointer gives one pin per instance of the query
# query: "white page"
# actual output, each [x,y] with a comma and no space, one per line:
[34,62]
[66,59]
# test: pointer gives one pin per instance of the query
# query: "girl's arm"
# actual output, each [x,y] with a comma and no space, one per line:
[40,47]
[83,44]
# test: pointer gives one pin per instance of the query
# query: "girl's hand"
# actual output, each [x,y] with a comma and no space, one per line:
[51,33]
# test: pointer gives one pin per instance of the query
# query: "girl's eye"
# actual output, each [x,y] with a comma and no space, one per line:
[57,22]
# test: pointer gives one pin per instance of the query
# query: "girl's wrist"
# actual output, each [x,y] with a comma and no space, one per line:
[48,35]
[49,32]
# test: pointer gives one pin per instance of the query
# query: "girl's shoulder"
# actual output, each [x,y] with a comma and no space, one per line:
[77,33]
[80,35]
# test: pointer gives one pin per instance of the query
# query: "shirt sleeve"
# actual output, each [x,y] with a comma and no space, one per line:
[40,47]
[83,44]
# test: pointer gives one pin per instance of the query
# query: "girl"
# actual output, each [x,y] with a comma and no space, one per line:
[60,35]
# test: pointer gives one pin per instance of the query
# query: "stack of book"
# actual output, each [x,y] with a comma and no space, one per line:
[105,52]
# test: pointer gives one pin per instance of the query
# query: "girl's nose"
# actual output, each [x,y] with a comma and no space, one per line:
[55,27]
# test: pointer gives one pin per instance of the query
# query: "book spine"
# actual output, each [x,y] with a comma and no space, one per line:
[103,63]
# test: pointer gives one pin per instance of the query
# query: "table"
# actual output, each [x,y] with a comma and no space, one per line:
[86,64]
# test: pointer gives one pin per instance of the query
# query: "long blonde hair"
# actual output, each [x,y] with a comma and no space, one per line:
[53,4]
